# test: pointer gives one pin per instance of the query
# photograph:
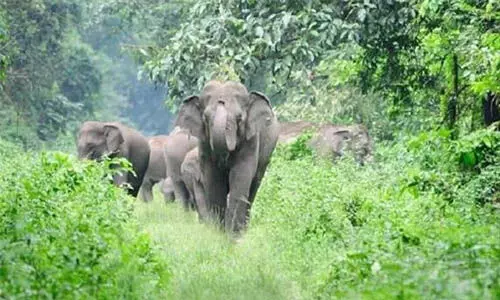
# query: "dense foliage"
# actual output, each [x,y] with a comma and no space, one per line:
[60,65]
[419,223]
[418,63]
[65,233]
[424,230]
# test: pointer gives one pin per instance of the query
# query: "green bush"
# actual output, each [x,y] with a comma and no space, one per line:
[66,233]
[299,148]
[446,166]
[348,232]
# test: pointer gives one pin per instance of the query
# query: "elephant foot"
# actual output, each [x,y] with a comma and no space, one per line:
[235,220]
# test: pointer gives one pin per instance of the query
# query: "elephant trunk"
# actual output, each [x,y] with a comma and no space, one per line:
[223,138]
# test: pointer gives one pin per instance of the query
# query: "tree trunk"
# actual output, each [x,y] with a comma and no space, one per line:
[491,111]
[452,103]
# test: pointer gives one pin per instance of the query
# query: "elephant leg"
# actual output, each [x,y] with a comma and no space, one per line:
[257,180]
[169,197]
[181,193]
[191,196]
[241,177]
[166,189]
[147,190]
[216,189]
[201,204]
[135,183]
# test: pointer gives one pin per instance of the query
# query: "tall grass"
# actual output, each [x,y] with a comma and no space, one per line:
[342,231]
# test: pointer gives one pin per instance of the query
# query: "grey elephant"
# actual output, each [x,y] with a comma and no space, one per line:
[331,140]
[335,140]
[192,178]
[237,132]
[167,189]
[179,143]
[96,139]
[157,169]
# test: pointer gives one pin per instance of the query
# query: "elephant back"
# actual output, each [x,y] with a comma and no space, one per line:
[290,131]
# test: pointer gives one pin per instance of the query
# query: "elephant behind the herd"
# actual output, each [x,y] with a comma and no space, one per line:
[157,169]
[331,141]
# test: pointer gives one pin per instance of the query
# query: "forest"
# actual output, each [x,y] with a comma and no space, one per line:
[404,205]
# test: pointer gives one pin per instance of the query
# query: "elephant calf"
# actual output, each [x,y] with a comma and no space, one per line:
[157,169]
[192,177]
[97,139]
[179,143]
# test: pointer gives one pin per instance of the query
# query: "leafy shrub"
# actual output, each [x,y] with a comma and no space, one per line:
[299,148]
[66,233]
[348,232]
[443,165]
[478,149]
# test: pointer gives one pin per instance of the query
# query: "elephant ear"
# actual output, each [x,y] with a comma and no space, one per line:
[190,116]
[259,113]
[114,138]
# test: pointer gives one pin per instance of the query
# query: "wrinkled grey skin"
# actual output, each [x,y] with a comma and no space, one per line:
[96,139]
[334,140]
[331,140]
[167,189]
[157,169]
[192,177]
[179,143]
[238,132]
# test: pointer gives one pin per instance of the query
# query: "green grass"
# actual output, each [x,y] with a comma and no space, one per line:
[208,265]
[323,231]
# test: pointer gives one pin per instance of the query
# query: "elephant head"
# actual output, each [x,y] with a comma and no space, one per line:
[97,139]
[224,116]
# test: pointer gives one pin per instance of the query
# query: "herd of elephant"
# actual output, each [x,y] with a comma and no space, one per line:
[215,158]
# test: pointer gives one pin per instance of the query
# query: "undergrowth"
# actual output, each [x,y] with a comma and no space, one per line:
[66,233]
[420,222]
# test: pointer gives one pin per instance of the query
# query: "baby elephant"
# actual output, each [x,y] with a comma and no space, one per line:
[192,177]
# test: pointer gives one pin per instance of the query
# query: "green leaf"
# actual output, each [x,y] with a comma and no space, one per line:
[469,159]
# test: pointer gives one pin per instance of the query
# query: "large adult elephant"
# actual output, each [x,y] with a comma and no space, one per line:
[237,133]
[96,139]
[334,141]
[193,179]
[329,140]
[179,143]
[157,169]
